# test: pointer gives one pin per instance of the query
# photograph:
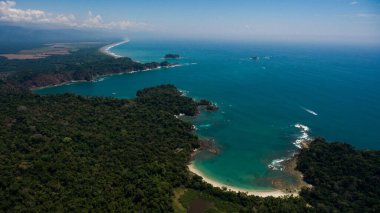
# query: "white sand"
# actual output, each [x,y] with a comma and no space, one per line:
[106,49]
[260,193]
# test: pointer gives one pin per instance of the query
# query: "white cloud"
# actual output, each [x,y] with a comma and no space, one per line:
[9,13]
[7,3]
[96,21]
[354,2]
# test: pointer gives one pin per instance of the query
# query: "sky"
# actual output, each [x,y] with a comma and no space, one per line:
[301,20]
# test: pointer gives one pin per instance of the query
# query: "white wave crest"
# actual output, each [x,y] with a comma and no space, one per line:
[276,164]
[194,127]
[304,137]
[100,79]
[183,92]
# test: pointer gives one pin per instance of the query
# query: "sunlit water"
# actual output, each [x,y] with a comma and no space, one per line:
[335,91]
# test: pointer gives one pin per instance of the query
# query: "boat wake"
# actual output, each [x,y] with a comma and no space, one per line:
[309,111]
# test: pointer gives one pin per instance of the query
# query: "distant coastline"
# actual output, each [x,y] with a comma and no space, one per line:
[260,193]
[106,49]
[100,76]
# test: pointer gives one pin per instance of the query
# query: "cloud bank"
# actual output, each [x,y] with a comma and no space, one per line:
[10,13]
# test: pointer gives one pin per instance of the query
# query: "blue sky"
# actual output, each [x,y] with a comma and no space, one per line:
[303,20]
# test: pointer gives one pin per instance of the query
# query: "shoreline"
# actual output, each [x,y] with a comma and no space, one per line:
[106,49]
[259,193]
[57,85]
[103,76]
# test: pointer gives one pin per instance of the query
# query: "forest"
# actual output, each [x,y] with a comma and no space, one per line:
[84,64]
[65,153]
[344,179]
[68,152]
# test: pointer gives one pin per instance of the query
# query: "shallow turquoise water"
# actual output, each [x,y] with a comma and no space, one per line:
[260,101]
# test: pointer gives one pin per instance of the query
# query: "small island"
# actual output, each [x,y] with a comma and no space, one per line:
[60,150]
[172,56]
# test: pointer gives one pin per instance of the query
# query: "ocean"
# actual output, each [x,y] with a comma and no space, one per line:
[334,90]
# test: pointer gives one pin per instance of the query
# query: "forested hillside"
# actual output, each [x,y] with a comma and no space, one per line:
[84,64]
[66,152]
[344,179]
[70,153]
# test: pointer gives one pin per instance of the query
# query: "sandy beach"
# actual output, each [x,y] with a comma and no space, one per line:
[260,193]
[106,49]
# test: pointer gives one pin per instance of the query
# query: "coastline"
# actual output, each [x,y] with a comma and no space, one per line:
[57,85]
[98,77]
[103,76]
[281,189]
[106,49]
[259,193]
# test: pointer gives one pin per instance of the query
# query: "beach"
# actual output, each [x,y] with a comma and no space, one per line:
[260,193]
[106,49]
[262,118]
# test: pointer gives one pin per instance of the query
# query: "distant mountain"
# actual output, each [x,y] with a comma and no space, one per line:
[15,38]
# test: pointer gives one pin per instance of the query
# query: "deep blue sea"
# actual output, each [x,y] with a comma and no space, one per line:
[332,89]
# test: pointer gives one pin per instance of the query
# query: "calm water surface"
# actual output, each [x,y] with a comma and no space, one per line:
[333,90]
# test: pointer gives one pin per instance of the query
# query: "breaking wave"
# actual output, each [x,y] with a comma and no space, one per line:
[301,140]
[276,164]
[304,137]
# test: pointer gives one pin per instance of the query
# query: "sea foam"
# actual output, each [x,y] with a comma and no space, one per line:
[276,164]
[183,92]
[304,137]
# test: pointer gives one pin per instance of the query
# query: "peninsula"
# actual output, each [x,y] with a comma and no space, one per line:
[86,63]
[106,49]
[69,152]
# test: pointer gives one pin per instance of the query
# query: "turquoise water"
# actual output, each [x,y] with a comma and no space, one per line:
[260,101]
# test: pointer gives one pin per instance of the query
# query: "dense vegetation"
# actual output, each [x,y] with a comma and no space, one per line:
[84,64]
[66,152]
[242,202]
[157,98]
[70,153]
[344,179]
